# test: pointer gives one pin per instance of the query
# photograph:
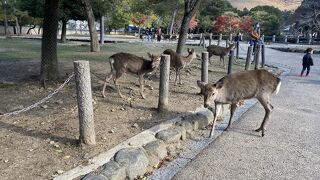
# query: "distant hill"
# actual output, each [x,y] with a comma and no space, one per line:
[281,4]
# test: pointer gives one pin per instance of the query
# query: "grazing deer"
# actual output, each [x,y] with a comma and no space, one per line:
[178,62]
[124,62]
[235,87]
[219,51]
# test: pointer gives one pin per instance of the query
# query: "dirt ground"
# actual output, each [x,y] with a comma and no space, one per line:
[43,142]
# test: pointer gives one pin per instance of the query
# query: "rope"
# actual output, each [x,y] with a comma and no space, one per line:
[39,102]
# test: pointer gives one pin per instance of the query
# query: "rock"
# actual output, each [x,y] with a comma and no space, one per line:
[112,171]
[187,125]
[112,110]
[111,131]
[85,156]
[135,125]
[194,87]
[156,150]
[134,159]
[59,102]
[183,133]
[122,109]
[91,176]
[44,106]
[14,108]
[60,171]
[169,135]
[51,142]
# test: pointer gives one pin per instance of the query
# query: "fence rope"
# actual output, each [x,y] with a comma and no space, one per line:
[41,101]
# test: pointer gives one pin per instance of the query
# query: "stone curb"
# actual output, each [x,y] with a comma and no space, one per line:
[171,133]
[140,153]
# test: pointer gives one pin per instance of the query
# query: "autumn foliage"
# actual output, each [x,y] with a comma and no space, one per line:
[193,22]
[227,24]
[139,20]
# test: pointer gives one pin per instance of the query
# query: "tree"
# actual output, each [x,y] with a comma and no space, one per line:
[308,16]
[227,23]
[49,63]
[94,42]
[190,8]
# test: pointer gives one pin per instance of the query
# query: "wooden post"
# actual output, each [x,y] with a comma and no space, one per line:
[164,83]
[274,38]
[220,39]
[227,42]
[84,98]
[262,38]
[200,39]
[102,30]
[298,39]
[230,61]
[263,56]
[237,50]
[204,67]
[310,39]
[257,56]
[204,41]
[210,39]
[285,38]
[249,56]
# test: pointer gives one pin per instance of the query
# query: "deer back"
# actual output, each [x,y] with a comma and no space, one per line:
[131,63]
[246,85]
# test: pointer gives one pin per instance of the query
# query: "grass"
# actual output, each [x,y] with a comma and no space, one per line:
[28,49]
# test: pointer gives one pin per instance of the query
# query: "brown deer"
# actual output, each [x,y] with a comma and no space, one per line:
[219,51]
[178,62]
[124,62]
[239,86]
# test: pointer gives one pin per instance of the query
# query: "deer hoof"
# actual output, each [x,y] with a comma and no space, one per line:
[258,130]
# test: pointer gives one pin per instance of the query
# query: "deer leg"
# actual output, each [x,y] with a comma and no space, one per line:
[141,81]
[108,77]
[216,113]
[118,75]
[268,108]
[233,108]
[175,81]
[179,74]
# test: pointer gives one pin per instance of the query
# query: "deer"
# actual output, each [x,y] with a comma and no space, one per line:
[178,62]
[219,51]
[236,87]
[121,63]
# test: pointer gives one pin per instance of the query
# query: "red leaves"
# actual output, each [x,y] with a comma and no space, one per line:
[227,24]
[139,20]
[193,22]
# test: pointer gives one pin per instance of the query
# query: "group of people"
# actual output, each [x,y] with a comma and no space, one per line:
[151,34]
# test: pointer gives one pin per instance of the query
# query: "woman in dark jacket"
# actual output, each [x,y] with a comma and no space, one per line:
[307,61]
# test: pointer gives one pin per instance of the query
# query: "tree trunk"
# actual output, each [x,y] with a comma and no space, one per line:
[92,27]
[28,32]
[64,31]
[17,26]
[49,62]
[172,19]
[183,33]
[190,8]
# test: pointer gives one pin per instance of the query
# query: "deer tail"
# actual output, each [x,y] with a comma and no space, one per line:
[278,86]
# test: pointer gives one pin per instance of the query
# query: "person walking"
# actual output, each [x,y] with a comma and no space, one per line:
[159,33]
[307,61]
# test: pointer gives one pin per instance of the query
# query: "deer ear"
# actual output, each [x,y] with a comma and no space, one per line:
[201,84]
[150,55]
[219,84]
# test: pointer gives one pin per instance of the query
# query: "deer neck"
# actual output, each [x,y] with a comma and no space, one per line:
[187,60]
